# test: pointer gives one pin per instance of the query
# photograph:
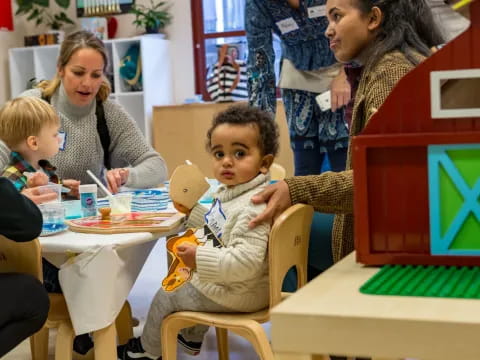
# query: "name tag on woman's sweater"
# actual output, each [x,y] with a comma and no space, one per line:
[62,139]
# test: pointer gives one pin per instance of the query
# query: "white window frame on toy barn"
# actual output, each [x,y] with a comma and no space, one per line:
[437,78]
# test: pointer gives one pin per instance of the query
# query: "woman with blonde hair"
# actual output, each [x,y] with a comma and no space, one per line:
[97,133]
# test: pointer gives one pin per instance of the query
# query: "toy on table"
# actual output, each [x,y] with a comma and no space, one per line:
[187,185]
[127,223]
[105,213]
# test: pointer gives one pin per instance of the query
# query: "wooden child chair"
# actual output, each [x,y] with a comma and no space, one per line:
[288,247]
[277,172]
[26,257]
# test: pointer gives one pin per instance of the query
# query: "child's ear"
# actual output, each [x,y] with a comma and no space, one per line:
[376,17]
[266,163]
[32,143]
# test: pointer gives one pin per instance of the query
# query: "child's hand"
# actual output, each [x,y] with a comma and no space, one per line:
[38,198]
[37,179]
[187,252]
[181,208]
[73,186]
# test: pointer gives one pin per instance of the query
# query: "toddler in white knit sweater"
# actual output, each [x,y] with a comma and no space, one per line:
[243,142]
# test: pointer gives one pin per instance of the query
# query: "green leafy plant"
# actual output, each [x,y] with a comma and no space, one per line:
[38,11]
[152,18]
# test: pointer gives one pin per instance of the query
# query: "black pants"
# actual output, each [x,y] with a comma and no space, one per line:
[24,308]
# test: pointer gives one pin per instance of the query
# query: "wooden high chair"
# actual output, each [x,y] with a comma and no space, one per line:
[288,247]
[26,257]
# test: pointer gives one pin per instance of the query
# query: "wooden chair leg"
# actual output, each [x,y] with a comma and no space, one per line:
[105,343]
[169,334]
[64,343]
[257,337]
[124,324]
[222,343]
[39,344]
[170,328]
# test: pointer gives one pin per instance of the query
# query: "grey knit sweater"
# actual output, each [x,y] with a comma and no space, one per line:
[235,276]
[83,149]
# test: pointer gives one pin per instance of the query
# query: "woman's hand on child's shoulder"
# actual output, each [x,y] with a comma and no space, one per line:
[277,198]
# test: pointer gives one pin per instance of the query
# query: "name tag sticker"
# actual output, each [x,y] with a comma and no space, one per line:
[215,219]
[62,140]
[287,25]
[317,11]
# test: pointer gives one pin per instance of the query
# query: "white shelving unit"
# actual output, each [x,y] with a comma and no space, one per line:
[39,62]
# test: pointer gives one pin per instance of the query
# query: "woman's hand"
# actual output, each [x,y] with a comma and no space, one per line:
[38,198]
[187,252]
[277,197]
[116,178]
[37,179]
[73,186]
[340,90]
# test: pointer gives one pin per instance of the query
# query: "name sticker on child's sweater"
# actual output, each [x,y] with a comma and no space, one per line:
[317,11]
[215,218]
[287,25]
[62,137]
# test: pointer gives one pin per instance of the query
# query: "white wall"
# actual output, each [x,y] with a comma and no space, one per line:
[179,33]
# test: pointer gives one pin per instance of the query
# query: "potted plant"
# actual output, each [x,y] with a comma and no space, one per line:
[152,18]
[38,11]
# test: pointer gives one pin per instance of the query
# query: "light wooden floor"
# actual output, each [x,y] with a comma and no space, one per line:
[142,293]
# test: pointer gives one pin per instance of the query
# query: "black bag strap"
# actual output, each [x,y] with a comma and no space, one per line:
[102,130]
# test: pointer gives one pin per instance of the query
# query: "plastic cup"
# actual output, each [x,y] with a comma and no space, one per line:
[121,203]
[73,209]
[56,188]
[53,214]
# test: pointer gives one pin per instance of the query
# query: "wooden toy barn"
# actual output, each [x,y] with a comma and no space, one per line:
[417,163]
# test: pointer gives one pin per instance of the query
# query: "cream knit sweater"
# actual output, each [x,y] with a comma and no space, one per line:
[235,276]
[83,150]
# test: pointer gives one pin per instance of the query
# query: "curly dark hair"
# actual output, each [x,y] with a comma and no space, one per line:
[268,139]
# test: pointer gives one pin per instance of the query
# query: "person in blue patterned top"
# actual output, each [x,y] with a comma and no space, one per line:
[308,69]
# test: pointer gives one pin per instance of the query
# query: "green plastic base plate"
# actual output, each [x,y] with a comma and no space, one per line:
[430,281]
